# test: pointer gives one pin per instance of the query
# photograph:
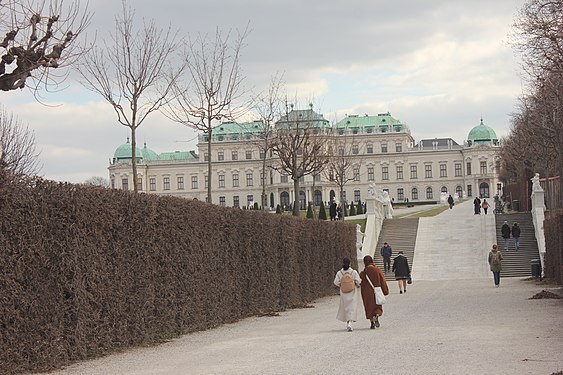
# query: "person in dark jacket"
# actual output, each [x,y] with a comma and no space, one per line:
[516,235]
[402,271]
[386,253]
[505,231]
[332,211]
[477,206]
[451,201]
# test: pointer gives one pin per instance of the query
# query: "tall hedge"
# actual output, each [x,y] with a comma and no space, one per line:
[87,271]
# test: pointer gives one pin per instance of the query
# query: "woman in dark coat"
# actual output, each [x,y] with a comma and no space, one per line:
[377,278]
[402,271]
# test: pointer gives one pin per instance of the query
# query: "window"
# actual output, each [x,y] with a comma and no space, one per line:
[443,170]
[469,168]
[248,154]
[194,182]
[249,179]
[355,149]
[205,157]
[369,148]
[235,180]
[499,188]
[344,196]
[458,170]
[469,192]
[166,183]
[356,172]
[384,147]
[302,179]
[236,202]
[399,172]
[341,150]
[206,182]
[444,189]
[234,155]
[152,184]
[483,167]
[317,178]
[400,194]
[459,191]
[261,182]
[414,194]
[180,182]
[413,171]
[429,194]
[125,184]
[113,183]
[220,155]
[222,201]
[385,173]
[139,183]
[356,195]
[221,180]
[262,154]
[398,147]
[370,174]
[249,200]
[284,178]
[428,171]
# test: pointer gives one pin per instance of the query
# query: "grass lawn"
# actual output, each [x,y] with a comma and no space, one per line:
[427,213]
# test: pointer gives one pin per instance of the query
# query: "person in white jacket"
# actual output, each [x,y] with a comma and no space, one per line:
[348,280]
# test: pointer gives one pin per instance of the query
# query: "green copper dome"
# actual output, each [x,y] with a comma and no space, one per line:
[482,133]
[124,151]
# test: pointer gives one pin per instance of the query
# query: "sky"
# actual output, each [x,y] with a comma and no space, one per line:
[438,66]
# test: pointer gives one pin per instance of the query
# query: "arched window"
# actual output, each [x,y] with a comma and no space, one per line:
[484,190]
[302,200]
[444,189]
[414,194]
[459,191]
[318,198]
[284,200]
[429,194]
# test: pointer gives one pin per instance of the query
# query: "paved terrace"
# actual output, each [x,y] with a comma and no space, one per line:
[451,321]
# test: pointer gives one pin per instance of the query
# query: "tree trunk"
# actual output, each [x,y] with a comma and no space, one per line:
[296,194]
[264,196]
[209,163]
[134,158]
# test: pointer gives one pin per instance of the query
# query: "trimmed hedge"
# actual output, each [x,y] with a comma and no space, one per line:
[87,271]
[553,226]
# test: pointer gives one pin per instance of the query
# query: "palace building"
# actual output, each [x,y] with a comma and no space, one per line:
[383,150]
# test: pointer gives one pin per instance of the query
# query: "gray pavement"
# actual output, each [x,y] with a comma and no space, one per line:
[451,321]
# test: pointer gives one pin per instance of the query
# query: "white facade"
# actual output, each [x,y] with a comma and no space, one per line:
[387,156]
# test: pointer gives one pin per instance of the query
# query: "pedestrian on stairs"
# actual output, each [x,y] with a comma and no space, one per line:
[348,280]
[402,271]
[505,231]
[495,262]
[516,235]
[386,253]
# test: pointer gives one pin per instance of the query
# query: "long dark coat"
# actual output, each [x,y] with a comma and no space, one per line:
[401,267]
[377,277]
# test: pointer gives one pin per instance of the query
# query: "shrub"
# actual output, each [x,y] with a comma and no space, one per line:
[322,212]
[352,209]
[278,209]
[359,209]
[310,214]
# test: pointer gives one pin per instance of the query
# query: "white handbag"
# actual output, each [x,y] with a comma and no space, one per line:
[379,296]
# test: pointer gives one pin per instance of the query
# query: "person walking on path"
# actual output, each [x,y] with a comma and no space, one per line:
[332,211]
[516,235]
[386,253]
[477,206]
[451,201]
[495,262]
[485,205]
[505,231]
[377,277]
[402,271]
[348,280]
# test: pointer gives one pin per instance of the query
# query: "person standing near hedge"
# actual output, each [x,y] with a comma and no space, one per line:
[348,280]
[377,277]
[402,271]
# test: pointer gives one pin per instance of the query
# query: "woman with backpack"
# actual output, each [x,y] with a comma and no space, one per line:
[348,280]
[495,261]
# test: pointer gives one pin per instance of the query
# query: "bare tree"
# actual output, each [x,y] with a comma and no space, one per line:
[133,72]
[268,106]
[214,88]
[300,145]
[39,36]
[17,146]
[344,161]
[97,181]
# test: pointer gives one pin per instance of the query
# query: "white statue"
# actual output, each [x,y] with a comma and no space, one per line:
[371,190]
[536,187]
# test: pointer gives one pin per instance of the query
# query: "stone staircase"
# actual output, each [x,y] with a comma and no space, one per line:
[517,263]
[400,234]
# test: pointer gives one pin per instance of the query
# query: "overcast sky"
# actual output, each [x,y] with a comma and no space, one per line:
[438,66]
